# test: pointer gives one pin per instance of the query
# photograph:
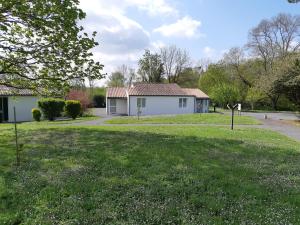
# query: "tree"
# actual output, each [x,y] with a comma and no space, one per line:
[174,60]
[214,76]
[81,96]
[128,74]
[189,78]
[289,84]
[253,96]
[273,41]
[275,38]
[116,79]
[293,1]
[151,68]
[225,94]
[42,47]
[234,59]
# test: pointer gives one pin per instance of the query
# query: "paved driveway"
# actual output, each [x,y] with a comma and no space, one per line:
[279,122]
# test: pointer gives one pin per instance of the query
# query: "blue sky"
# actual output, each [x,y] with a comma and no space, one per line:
[205,28]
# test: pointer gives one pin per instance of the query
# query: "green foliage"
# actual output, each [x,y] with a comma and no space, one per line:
[289,84]
[36,114]
[51,107]
[116,79]
[225,94]
[43,47]
[215,75]
[188,78]
[151,68]
[99,101]
[73,108]
[253,96]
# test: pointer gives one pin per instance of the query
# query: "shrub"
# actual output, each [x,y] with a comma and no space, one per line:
[51,107]
[99,101]
[81,96]
[36,114]
[73,108]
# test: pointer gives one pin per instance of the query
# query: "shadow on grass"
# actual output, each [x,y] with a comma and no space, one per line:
[95,176]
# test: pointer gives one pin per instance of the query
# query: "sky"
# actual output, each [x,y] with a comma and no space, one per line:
[205,28]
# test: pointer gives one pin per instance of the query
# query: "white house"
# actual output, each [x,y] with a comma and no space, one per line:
[22,100]
[155,99]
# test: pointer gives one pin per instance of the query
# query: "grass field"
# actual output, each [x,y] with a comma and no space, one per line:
[208,118]
[149,175]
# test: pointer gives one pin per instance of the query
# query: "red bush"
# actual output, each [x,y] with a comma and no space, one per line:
[81,96]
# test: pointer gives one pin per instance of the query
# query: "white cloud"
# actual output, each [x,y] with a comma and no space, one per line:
[121,39]
[209,52]
[153,7]
[184,27]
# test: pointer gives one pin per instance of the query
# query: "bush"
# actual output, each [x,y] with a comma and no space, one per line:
[99,101]
[81,96]
[73,108]
[36,114]
[51,107]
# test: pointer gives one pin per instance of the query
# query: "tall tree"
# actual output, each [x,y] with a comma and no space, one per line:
[275,38]
[42,47]
[151,68]
[289,84]
[116,79]
[214,76]
[189,78]
[128,74]
[273,41]
[235,59]
[175,60]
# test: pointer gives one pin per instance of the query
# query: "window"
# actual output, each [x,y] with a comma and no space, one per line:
[182,102]
[141,102]
[113,106]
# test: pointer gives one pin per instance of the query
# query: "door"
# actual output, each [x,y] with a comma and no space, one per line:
[3,109]
[199,105]
[113,106]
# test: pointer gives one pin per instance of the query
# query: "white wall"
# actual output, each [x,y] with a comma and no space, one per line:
[24,105]
[156,105]
[121,106]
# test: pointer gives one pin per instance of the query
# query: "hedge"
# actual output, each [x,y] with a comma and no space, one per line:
[51,107]
[73,108]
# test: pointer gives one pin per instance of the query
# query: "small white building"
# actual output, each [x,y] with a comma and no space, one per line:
[155,99]
[23,100]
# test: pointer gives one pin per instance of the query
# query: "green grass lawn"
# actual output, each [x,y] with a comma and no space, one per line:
[149,175]
[207,118]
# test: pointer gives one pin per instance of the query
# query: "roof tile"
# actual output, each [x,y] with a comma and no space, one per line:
[195,92]
[143,89]
[10,91]
[116,92]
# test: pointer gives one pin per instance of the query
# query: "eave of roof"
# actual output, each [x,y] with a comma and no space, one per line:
[10,91]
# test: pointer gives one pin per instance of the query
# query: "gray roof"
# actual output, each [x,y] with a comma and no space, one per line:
[10,91]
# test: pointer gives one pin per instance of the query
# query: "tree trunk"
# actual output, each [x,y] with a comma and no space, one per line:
[274,102]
